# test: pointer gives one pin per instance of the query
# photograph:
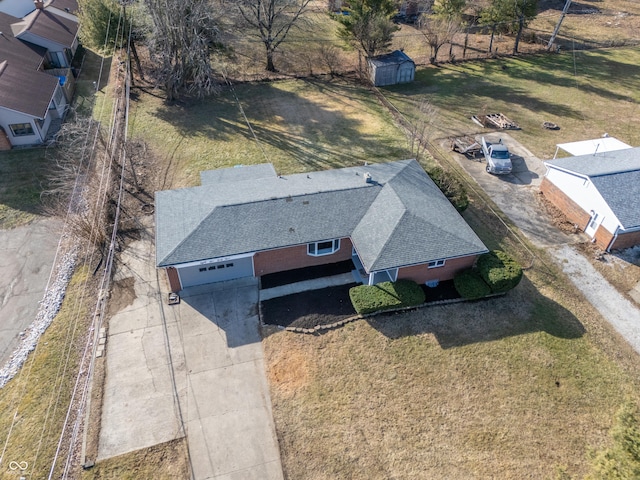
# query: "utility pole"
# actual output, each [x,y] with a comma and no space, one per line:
[557,29]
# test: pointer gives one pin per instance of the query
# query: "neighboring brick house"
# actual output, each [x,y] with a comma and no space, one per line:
[36,83]
[600,193]
[390,219]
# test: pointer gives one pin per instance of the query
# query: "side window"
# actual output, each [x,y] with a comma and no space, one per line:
[21,129]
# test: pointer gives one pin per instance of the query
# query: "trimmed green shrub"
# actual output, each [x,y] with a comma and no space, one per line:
[469,284]
[452,188]
[386,296]
[499,270]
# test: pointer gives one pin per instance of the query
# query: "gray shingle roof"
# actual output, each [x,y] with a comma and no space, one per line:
[393,58]
[401,218]
[237,173]
[617,161]
[621,191]
[616,176]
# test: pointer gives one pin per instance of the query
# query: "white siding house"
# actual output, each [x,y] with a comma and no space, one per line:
[600,194]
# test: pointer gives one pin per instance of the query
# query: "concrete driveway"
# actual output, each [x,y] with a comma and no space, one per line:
[516,193]
[193,369]
[28,253]
[227,407]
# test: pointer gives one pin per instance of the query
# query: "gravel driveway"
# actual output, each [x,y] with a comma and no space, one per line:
[618,311]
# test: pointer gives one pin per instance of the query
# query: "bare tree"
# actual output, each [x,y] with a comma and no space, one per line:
[422,127]
[438,31]
[183,37]
[271,21]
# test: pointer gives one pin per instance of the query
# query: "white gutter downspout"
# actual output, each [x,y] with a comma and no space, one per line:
[613,240]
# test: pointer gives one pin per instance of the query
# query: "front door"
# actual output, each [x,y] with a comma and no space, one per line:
[594,223]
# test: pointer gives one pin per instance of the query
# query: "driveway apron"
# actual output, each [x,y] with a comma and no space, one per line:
[230,426]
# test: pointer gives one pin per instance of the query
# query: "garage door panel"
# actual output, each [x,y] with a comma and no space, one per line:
[216,272]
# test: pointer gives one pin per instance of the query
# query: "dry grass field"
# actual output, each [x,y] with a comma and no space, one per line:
[299,125]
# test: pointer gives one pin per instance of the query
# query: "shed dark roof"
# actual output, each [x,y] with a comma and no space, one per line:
[401,218]
[49,26]
[616,176]
[22,87]
[393,58]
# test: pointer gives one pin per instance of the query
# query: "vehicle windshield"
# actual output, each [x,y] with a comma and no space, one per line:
[500,154]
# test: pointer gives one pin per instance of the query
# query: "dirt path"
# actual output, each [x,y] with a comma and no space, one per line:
[613,306]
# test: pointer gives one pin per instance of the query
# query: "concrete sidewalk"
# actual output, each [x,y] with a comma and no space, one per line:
[314,284]
[230,426]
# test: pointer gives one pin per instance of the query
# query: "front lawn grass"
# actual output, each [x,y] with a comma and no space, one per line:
[508,388]
[22,175]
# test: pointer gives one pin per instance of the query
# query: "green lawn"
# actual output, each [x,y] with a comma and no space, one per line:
[586,94]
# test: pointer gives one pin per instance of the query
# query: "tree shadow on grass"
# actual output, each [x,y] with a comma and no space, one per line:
[523,310]
[313,132]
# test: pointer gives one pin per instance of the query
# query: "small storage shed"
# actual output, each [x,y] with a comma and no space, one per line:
[392,68]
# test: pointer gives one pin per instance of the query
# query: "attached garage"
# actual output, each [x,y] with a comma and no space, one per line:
[217,270]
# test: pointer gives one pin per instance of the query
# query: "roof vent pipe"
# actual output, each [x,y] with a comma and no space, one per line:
[367,178]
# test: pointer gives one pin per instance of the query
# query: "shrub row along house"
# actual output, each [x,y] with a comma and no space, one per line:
[390,219]
[36,83]
[599,192]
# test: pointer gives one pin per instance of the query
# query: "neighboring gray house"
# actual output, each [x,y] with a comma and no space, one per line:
[30,99]
[392,68]
[45,28]
[36,83]
[600,193]
[390,219]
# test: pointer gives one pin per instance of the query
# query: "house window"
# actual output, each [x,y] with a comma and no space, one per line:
[327,247]
[21,129]
[436,263]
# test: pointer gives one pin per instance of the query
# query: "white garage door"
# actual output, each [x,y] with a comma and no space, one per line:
[216,272]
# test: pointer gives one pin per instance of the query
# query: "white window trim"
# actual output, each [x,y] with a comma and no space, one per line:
[312,248]
[13,131]
[436,264]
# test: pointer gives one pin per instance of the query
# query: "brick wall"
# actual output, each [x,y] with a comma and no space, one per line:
[626,240]
[174,279]
[5,144]
[290,258]
[574,213]
[423,274]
